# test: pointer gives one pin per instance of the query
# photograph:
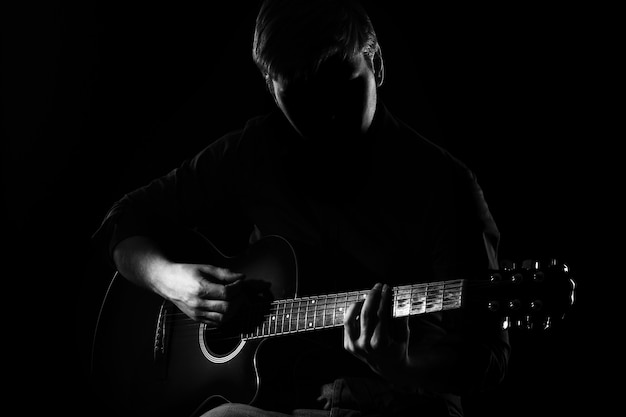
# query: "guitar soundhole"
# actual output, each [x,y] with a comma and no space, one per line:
[220,344]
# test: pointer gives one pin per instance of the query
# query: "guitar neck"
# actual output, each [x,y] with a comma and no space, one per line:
[328,311]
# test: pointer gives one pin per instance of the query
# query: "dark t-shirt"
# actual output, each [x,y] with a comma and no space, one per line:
[392,207]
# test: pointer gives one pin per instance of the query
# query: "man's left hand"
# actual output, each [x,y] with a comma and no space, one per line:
[371,335]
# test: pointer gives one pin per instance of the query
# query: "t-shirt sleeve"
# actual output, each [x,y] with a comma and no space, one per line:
[193,196]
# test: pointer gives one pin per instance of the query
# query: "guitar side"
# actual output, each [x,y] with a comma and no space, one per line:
[146,363]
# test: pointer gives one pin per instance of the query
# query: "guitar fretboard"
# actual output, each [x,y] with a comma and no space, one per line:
[327,311]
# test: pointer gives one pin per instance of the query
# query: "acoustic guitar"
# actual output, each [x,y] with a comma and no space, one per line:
[149,358]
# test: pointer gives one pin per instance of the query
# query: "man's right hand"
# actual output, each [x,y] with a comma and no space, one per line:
[205,293]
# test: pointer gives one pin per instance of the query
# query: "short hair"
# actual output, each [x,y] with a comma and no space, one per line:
[293,37]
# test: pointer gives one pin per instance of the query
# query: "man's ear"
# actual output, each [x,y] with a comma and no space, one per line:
[378,67]
[270,87]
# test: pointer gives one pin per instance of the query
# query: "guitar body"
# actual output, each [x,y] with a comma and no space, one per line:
[150,360]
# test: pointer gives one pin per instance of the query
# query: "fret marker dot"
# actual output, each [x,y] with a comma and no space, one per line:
[312,301]
[310,324]
[273,317]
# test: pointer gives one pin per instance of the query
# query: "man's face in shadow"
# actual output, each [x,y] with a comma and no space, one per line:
[336,103]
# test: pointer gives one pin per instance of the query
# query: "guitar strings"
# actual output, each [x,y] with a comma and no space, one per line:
[330,304]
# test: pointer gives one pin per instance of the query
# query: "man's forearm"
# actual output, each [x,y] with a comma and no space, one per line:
[139,260]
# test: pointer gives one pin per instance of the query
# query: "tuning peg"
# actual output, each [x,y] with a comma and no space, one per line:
[506,323]
[515,304]
[507,265]
[547,324]
[493,306]
[572,296]
[555,263]
[530,264]
[529,323]
[495,277]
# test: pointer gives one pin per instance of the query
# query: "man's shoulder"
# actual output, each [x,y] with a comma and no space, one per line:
[413,149]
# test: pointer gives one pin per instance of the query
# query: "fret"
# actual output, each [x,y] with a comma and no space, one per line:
[395,295]
[331,306]
[290,315]
[297,317]
[282,316]
[350,298]
[418,299]
[453,299]
[263,326]
[305,319]
[302,315]
[402,301]
[267,321]
[331,301]
[318,321]
[313,303]
[273,320]
[310,324]
[287,316]
[434,298]
[340,307]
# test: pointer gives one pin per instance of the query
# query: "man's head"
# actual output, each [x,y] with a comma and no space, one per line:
[322,63]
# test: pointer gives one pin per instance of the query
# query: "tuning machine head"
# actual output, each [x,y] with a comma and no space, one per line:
[529,295]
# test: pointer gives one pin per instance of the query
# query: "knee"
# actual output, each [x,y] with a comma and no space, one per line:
[228,410]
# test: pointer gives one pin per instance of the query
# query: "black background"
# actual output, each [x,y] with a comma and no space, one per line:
[100,97]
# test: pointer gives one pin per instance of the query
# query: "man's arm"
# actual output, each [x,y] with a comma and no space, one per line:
[203,292]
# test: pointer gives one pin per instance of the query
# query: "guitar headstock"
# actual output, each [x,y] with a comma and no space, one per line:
[529,295]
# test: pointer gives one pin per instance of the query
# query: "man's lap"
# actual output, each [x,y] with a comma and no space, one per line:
[244,410]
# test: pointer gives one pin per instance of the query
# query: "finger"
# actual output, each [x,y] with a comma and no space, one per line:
[223,275]
[217,306]
[216,291]
[369,316]
[212,324]
[380,337]
[351,326]
[211,317]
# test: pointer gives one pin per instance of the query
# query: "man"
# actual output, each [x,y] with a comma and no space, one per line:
[370,203]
